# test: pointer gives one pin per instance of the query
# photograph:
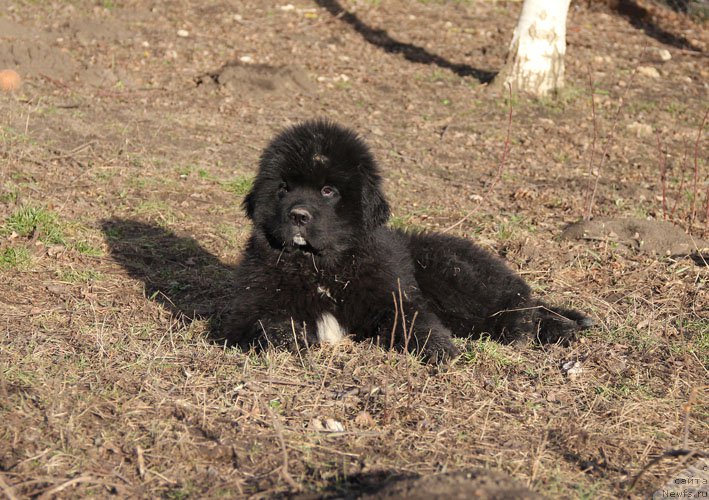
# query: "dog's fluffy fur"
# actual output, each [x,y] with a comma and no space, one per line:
[321,262]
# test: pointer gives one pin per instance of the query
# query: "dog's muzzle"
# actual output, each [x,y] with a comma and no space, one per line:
[299,216]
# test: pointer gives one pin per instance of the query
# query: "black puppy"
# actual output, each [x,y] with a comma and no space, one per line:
[321,263]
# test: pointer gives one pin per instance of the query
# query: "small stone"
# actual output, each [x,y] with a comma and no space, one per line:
[246,59]
[643,324]
[573,369]
[364,419]
[640,129]
[648,71]
[183,33]
[333,425]
[616,366]
[55,250]
[664,55]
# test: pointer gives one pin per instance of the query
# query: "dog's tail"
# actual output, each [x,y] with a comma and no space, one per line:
[557,324]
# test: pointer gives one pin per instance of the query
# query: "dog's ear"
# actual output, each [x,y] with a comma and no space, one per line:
[375,208]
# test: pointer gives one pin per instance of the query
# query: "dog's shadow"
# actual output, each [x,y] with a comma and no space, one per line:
[177,271]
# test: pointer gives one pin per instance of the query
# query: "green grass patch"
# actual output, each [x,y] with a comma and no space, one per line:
[405,223]
[158,211]
[84,276]
[487,351]
[512,226]
[697,333]
[240,186]
[86,248]
[28,220]
[15,375]
[8,196]
[14,258]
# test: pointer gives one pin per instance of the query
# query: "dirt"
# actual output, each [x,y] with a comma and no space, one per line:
[258,78]
[652,236]
[132,141]
[456,485]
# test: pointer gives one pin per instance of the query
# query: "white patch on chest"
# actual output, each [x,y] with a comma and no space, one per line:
[329,330]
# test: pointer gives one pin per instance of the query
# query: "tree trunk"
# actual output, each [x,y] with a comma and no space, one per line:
[535,62]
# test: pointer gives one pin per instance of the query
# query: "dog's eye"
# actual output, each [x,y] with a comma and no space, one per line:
[328,191]
[282,188]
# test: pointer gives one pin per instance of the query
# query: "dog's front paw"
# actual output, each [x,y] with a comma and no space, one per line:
[439,349]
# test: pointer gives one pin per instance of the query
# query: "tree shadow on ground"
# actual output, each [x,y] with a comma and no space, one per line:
[639,17]
[177,271]
[411,52]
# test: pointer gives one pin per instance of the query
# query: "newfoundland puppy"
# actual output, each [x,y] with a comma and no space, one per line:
[322,264]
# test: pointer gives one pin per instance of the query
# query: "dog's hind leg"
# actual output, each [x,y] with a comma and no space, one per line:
[474,292]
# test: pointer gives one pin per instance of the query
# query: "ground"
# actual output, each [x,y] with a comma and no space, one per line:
[123,161]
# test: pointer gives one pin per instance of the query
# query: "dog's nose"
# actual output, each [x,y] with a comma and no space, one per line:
[299,216]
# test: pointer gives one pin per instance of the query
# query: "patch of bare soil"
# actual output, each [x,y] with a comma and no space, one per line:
[652,236]
[258,78]
[455,485]
[123,161]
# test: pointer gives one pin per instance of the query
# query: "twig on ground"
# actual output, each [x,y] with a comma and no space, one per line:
[77,480]
[500,168]
[295,339]
[538,457]
[392,340]
[681,180]
[7,490]
[285,473]
[405,331]
[594,120]
[663,174]
[695,187]
[607,145]
[706,211]
[687,408]
[324,378]
[663,455]
[140,459]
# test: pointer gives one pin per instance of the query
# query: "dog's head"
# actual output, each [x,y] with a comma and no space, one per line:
[317,190]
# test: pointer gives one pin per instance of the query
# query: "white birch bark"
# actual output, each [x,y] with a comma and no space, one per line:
[535,62]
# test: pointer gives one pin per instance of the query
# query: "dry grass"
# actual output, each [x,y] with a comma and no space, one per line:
[109,392]
[109,382]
